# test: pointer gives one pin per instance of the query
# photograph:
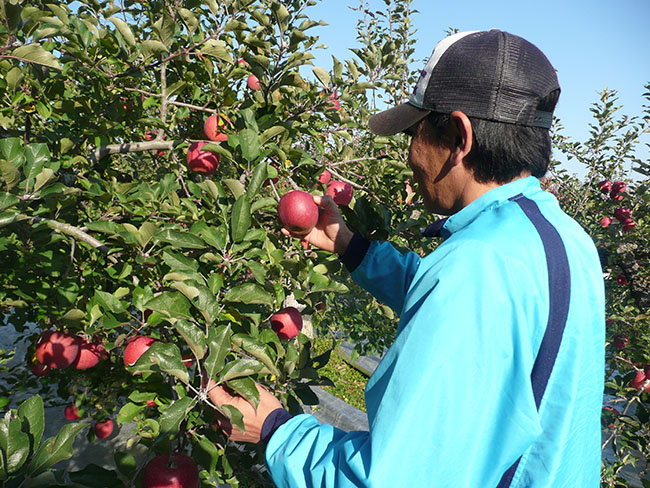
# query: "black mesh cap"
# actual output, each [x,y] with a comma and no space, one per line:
[490,75]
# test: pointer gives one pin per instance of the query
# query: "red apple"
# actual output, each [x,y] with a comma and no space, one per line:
[57,349]
[164,472]
[253,82]
[629,225]
[641,376]
[605,222]
[298,212]
[188,360]
[201,161]
[71,412]
[243,62]
[40,370]
[214,125]
[135,348]
[149,136]
[104,429]
[621,341]
[89,354]
[151,403]
[622,214]
[340,191]
[325,177]
[618,187]
[287,323]
[605,186]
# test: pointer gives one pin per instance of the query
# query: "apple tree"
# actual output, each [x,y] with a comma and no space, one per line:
[158,260]
[612,202]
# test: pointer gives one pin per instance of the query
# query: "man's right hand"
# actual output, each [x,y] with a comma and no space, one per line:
[331,233]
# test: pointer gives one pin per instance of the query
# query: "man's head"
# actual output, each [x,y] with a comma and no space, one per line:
[503,84]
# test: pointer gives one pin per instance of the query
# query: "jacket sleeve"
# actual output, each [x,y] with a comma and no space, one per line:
[451,402]
[386,273]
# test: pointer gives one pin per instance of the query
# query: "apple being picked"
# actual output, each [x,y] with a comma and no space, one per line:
[213,127]
[340,191]
[165,471]
[201,161]
[57,349]
[298,212]
[287,323]
[135,348]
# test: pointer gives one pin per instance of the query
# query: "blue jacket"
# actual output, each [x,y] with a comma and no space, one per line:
[451,402]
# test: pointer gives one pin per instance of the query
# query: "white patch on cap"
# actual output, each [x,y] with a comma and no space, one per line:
[417,98]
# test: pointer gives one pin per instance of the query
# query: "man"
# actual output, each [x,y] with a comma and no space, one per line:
[496,374]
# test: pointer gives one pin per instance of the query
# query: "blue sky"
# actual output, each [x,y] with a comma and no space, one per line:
[594,44]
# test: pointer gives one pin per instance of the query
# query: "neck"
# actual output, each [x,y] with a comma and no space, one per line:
[474,189]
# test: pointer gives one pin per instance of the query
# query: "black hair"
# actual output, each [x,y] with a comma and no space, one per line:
[502,151]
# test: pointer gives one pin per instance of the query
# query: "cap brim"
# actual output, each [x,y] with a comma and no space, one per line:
[396,119]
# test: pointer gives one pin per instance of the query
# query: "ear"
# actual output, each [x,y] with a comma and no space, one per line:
[463,136]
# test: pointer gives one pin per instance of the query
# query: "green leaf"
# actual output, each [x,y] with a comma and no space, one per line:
[241,367]
[9,173]
[34,53]
[182,240]
[260,173]
[128,412]
[163,357]
[205,453]
[263,203]
[193,336]
[215,236]
[94,476]
[322,75]
[32,413]
[124,29]
[179,262]
[256,349]
[43,178]
[271,132]
[249,293]
[55,449]
[218,348]
[250,144]
[216,48]
[152,48]
[246,387]
[171,418]
[240,219]
[235,187]
[12,150]
[172,304]
[109,302]
[8,200]
[15,444]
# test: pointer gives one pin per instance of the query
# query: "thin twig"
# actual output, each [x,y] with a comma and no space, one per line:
[128,147]
[72,231]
